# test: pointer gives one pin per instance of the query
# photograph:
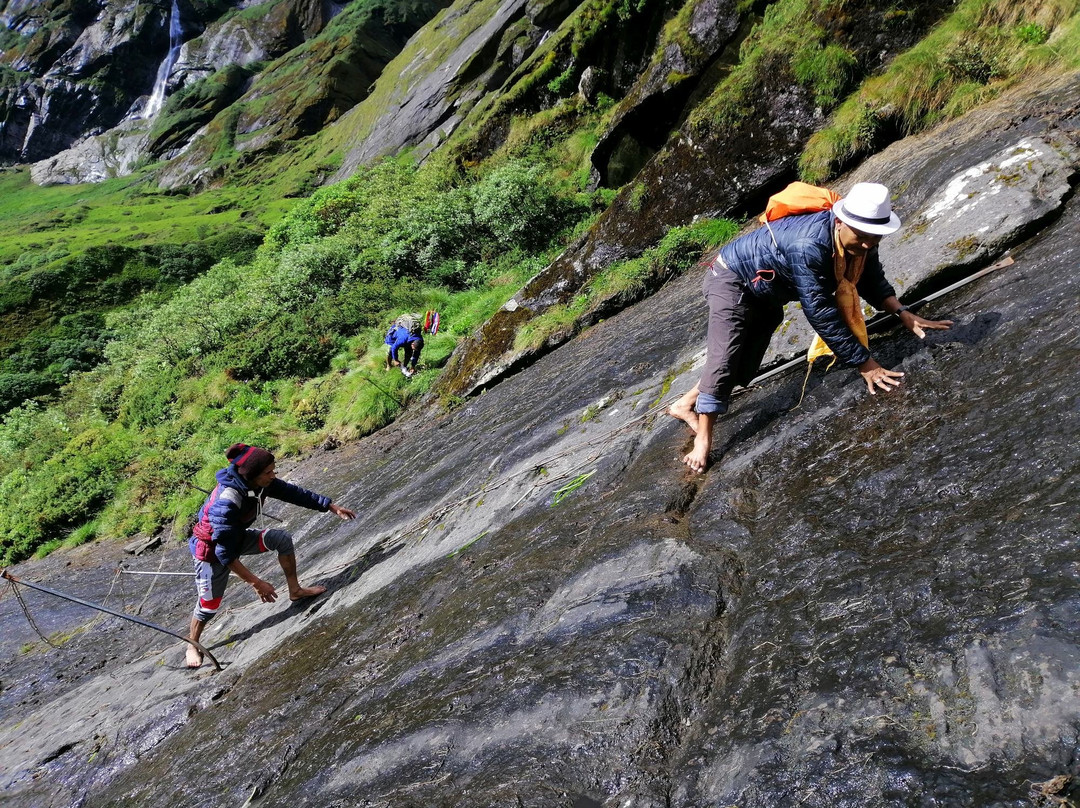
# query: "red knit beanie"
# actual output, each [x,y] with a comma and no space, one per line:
[249,460]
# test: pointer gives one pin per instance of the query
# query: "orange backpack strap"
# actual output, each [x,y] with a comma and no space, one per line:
[798,197]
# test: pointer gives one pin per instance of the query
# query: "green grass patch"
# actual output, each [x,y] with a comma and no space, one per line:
[788,38]
[282,351]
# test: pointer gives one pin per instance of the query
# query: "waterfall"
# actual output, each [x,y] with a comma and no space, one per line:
[157,97]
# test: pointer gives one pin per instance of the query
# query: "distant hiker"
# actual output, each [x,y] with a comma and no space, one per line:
[406,335]
[223,533]
[820,259]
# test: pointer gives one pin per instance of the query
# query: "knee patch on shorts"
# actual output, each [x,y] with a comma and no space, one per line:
[279,541]
[206,609]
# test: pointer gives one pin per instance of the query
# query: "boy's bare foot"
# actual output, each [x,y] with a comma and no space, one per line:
[194,657]
[305,592]
[685,413]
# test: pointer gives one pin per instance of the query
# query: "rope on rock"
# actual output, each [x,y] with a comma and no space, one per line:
[13,580]
[26,611]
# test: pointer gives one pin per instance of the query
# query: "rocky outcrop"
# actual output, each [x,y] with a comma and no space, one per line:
[656,103]
[317,83]
[438,77]
[95,159]
[111,146]
[77,107]
[868,600]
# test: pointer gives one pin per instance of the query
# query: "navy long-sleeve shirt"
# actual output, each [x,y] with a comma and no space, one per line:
[802,260]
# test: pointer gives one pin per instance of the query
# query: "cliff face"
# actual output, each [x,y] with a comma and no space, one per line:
[73,68]
[80,77]
[868,600]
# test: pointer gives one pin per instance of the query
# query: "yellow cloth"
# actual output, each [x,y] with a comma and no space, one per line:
[848,269]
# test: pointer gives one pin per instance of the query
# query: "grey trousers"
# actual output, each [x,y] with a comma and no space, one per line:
[740,328]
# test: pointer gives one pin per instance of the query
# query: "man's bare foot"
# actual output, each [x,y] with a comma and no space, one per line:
[194,657]
[685,413]
[305,592]
[698,457]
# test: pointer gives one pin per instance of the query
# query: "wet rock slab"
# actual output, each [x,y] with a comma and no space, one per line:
[868,600]
[908,630]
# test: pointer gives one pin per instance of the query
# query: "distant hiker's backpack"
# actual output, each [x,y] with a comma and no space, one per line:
[411,323]
[798,197]
[431,322]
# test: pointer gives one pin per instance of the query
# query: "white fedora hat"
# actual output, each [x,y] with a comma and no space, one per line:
[867,208]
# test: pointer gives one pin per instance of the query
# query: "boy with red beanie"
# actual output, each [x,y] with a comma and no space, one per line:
[223,533]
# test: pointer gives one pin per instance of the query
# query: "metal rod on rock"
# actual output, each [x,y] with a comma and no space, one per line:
[152,572]
[382,390]
[9,577]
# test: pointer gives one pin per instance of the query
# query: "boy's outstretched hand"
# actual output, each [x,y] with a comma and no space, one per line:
[343,513]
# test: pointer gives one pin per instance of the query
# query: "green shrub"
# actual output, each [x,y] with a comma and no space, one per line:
[291,345]
[149,397]
[973,61]
[683,247]
[563,81]
[313,406]
[17,388]
[181,263]
[517,207]
[1031,33]
[826,69]
[45,503]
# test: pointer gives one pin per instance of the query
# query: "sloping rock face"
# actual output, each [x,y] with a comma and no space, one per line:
[868,600]
[299,93]
[465,51]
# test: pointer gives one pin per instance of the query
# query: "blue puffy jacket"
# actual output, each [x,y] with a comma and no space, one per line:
[397,337]
[802,269]
[233,506]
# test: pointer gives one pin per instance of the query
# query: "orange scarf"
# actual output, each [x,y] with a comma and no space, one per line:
[848,270]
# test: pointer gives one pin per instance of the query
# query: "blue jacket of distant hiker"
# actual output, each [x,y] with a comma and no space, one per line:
[232,508]
[799,266]
[398,337]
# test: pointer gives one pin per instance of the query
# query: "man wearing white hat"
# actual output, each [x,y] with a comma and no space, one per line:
[820,259]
